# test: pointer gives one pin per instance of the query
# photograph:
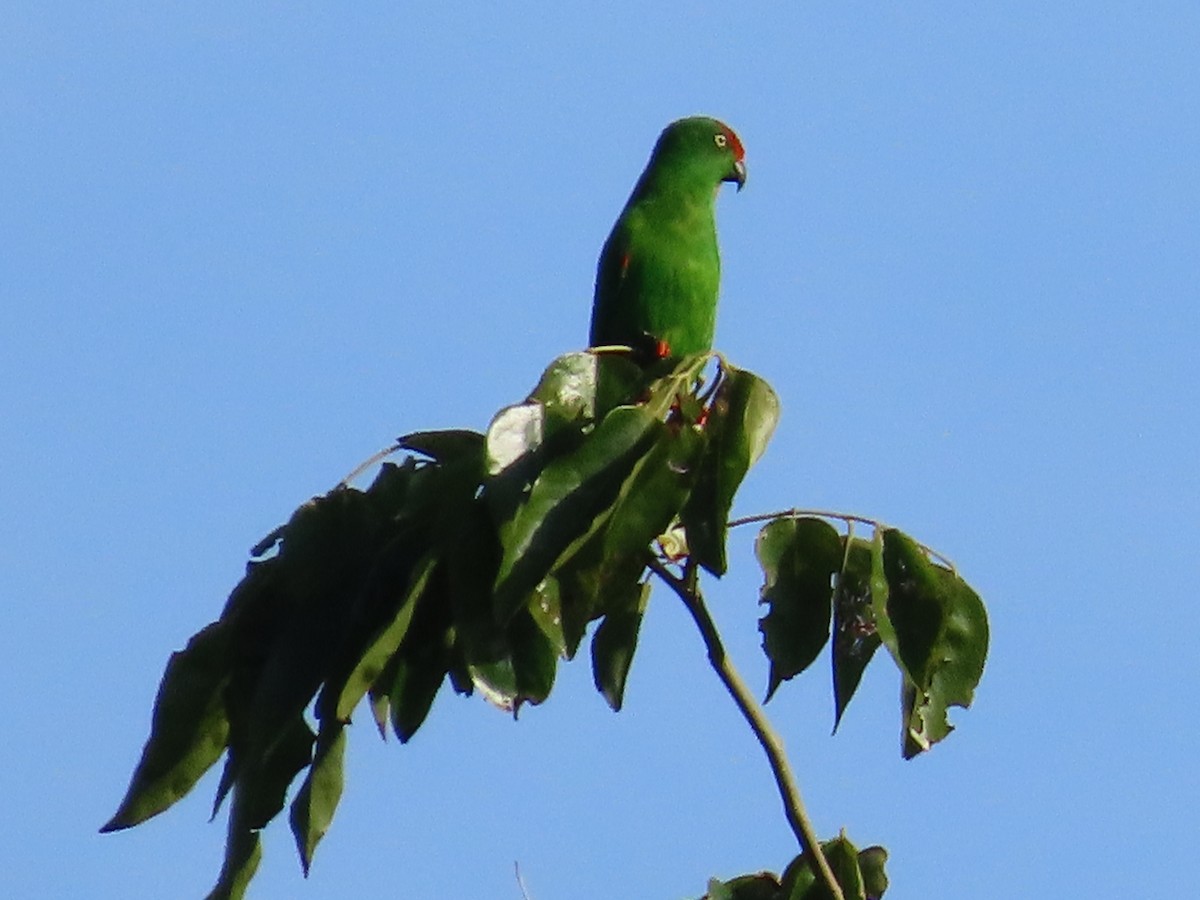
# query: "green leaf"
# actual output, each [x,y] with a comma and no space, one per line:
[412,692]
[800,880]
[580,387]
[416,672]
[377,697]
[496,681]
[535,660]
[615,642]
[189,728]
[258,797]
[677,387]
[521,668]
[315,803]
[262,782]
[871,862]
[759,886]
[545,606]
[855,636]
[472,556]
[741,420]
[611,561]
[798,559]
[940,632]
[326,553]
[649,500]
[391,485]
[243,852]
[445,446]
[567,497]
[426,523]
[376,654]
[842,857]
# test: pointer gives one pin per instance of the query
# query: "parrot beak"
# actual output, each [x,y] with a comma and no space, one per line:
[737,174]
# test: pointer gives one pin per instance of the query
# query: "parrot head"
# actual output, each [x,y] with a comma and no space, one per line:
[704,147]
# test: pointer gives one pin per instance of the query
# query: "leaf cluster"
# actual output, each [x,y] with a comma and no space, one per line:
[479,558]
[822,587]
[483,558]
[859,873]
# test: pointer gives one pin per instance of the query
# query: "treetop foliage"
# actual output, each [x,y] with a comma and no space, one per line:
[482,559]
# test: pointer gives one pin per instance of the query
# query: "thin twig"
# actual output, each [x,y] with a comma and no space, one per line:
[521,881]
[796,513]
[688,590]
[367,463]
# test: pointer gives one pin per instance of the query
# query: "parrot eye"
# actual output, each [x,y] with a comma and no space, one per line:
[720,140]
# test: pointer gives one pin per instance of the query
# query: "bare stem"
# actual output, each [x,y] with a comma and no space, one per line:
[521,881]
[688,589]
[367,463]
[796,513]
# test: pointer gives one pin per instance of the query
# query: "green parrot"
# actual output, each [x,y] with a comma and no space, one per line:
[660,269]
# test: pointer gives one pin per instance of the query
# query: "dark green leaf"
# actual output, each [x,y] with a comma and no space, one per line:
[610,563]
[427,521]
[741,420]
[567,497]
[842,857]
[615,642]
[472,555]
[496,681]
[799,558]
[855,638]
[801,881]
[648,502]
[315,803]
[262,782]
[188,731]
[416,672]
[759,886]
[521,668]
[391,485]
[941,636]
[229,774]
[258,797]
[243,852]
[535,660]
[377,697]
[871,862]
[445,446]
[412,693]
[380,649]
[326,554]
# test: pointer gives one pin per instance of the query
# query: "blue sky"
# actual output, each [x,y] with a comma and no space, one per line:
[242,250]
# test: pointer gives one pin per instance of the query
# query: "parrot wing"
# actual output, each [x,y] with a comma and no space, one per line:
[616,298]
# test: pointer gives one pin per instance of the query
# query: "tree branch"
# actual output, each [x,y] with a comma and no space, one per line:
[688,590]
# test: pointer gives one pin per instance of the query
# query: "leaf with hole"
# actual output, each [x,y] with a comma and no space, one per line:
[855,636]
[938,634]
